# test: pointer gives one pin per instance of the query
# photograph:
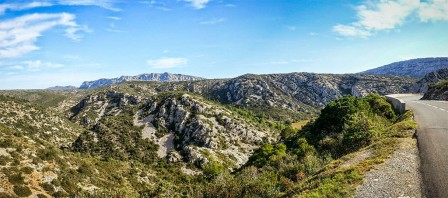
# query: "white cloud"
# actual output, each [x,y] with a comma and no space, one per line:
[25,6]
[197,4]
[106,4]
[18,35]
[38,65]
[166,63]
[434,10]
[114,18]
[385,15]
[16,67]
[31,65]
[212,21]
[382,15]
[347,30]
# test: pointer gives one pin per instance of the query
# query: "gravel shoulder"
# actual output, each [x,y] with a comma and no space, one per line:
[399,176]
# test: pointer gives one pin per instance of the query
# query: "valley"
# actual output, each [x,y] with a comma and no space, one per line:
[216,134]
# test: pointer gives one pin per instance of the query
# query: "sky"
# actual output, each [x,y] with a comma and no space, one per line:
[45,43]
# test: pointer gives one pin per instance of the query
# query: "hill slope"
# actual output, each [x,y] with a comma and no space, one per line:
[436,76]
[437,91]
[163,77]
[413,68]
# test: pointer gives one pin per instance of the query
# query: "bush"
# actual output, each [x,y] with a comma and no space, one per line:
[16,179]
[212,169]
[47,187]
[27,170]
[22,191]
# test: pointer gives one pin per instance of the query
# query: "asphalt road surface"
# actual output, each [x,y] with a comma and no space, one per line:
[432,136]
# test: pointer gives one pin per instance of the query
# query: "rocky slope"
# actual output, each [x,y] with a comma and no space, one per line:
[38,122]
[436,76]
[414,68]
[437,91]
[166,139]
[185,127]
[162,77]
[293,91]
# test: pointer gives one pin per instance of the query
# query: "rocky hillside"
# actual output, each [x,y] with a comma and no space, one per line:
[436,76]
[413,68]
[191,138]
[36,121]
[437,91]
[185,128]
[162,77]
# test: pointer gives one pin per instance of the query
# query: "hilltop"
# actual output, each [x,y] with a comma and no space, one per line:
[412,68]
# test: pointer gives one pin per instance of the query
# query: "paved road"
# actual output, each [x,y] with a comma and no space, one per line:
[432,136]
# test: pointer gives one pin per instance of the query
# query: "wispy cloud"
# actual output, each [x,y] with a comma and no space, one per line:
[23,6]
[213,21]
[382,15]
[198,4]
[18,35]
[106,4]
[30,66]
[353,31]
[166,63]
[434,10]
[114,18]
[159,5]
[112,28]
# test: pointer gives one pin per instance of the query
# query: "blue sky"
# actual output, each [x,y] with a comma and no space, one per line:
[64,42]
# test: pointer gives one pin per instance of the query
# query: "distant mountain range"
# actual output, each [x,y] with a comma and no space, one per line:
[412,68]
[157,77]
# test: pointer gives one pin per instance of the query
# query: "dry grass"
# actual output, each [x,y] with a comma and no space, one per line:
[300,124]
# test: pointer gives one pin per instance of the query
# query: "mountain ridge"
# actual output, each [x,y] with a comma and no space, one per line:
[158,77]
[414,67]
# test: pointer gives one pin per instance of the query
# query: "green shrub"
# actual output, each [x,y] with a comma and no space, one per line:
[41,196]
[212,169]
[27,170]
[22,191]
[47,187]
[6,143]
[16,179]
[4,160]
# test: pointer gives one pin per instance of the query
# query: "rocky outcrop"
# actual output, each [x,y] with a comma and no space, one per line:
[414,68]
[185,127]
[89,110]
[163,77]
[294,91]
[436,76]
[437,91]
[204,131]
